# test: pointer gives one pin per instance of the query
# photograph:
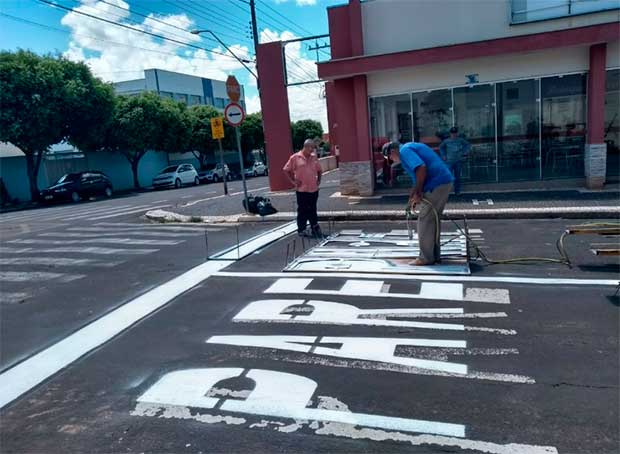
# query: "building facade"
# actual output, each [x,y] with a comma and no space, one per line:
[191,90]
[531,84]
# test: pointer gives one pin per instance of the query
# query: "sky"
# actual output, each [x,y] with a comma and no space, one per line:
[115,53]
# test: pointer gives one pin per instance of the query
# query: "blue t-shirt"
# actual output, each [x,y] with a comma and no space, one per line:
[414,155]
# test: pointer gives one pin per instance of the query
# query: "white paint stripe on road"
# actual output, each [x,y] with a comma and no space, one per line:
[428,290]
[436,314]
[411,277]
[104,234]
[56,261]
[231,194]
[70,213]
[100,240]
[11,298]
[124,213]
[22,377]
[99,211]
[78,250]
[142,227]
[28,276]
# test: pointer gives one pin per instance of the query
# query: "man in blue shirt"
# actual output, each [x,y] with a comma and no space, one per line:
[432,181]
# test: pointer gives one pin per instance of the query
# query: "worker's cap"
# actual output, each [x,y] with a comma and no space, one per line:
[392,146]
[454,129]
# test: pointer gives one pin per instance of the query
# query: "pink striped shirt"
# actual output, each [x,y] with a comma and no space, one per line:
[306,170]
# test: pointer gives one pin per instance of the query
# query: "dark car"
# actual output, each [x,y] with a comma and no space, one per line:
[76,186]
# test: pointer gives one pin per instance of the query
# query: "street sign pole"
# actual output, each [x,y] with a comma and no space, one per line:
[242,166]
[225,175]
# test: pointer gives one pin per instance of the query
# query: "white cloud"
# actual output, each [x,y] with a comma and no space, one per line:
[117,62]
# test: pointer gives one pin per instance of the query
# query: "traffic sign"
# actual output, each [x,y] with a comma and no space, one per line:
[234,114]
[217,128]
[233,89]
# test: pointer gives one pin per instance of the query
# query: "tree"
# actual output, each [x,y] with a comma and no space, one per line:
[45,100]
[252,135]
[305,129]
[147,122]
[202,144]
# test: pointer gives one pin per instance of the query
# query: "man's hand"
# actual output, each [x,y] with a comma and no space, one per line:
[297,183]
[414,199]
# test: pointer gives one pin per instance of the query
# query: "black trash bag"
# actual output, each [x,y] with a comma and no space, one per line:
[259,205]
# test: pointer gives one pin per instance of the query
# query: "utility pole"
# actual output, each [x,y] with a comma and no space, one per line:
[255,36]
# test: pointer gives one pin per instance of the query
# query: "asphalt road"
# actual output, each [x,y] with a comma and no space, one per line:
[533,369]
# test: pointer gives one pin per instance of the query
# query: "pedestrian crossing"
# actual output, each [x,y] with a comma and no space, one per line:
[71,254]
[88,212]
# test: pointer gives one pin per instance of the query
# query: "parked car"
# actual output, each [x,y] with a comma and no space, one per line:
[176,176]
[214,174]
[77,186]
[256,169]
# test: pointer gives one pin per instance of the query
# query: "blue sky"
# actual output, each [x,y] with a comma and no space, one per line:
[114,53]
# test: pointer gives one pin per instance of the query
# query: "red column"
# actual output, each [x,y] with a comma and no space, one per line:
[595,156]
[276,116]
[596,93]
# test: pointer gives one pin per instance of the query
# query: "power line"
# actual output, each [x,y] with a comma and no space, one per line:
[56,5]
[299,27]
[67,32]
[198,13]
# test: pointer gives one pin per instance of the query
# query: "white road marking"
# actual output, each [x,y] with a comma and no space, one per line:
[146,227]
[379,349]
[330,313]
[30,276]
[489,201]
[78,250]
[475,202]
[99,240]
[410,277]
[194,202]
[276,394]
[447,315]
[428,290]
[124,213]
[56,261]
[75,213]
[39,367]
[100,234]
[248,247]
[13,297]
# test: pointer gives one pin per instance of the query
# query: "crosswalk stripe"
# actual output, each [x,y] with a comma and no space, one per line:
[145,227]
[29,276]
[56,261]
[100,234]
[78,250]
[88,210]
[13,297]
[103,211]
[129,212]
[99,240]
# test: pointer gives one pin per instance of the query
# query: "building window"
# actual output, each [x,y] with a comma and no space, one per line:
[518,130]
[432,116]
[194,100]
[536,10]
[165,94]
[612,122]
[563,125]
[182,97]
[474,115]
[220,103]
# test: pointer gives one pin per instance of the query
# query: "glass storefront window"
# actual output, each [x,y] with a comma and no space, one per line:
[390,120]
[474,115]
[432,116]
[518,130]
[563,125]
[612,121]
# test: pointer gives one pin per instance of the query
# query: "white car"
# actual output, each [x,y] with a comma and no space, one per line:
[177,176]
[258,168]
[215,174]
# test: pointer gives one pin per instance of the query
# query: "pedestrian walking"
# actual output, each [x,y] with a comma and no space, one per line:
[304,171]
[454,150]
[432,184]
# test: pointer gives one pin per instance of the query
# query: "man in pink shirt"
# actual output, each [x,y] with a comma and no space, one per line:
[304,172]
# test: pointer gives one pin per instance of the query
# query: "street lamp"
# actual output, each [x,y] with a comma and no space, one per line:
[243,61]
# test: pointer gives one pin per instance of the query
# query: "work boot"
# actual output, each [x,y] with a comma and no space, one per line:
[317,233]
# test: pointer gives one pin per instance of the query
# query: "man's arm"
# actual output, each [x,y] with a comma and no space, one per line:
[290,173]
[466,147]
[319,175]
[417,192]
[442,150]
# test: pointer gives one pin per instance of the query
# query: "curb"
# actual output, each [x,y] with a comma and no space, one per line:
[602,212]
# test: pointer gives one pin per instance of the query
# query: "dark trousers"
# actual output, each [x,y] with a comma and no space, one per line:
[306,210]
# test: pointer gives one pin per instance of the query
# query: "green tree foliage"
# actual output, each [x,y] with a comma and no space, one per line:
[45,100]
[305,129]
[202,144]
[147,122]
[252,135]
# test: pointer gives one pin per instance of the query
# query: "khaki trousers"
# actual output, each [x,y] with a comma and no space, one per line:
[430,249]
